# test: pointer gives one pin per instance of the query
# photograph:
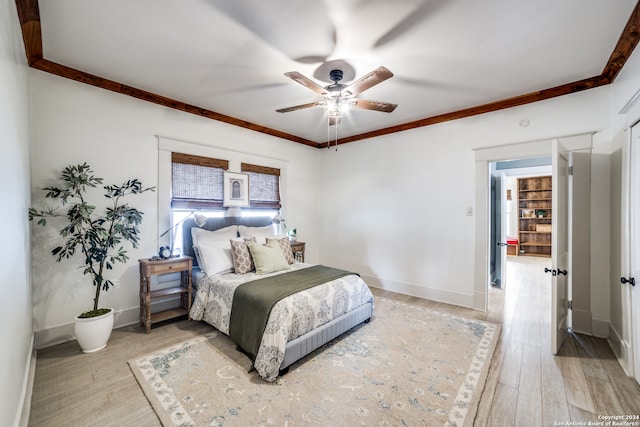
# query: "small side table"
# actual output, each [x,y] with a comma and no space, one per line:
[513,247]
[298,250]
[149,268]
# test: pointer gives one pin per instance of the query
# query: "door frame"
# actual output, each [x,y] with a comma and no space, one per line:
[483,157]
[633,248]
[497,253]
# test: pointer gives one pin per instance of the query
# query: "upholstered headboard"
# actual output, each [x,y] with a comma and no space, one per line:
[216,224]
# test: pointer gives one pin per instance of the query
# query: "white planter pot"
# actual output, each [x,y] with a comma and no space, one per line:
[93,333]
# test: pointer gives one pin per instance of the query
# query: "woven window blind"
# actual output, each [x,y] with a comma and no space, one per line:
[264,186]
[196,182]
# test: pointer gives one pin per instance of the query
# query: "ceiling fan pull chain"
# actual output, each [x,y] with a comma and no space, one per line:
[328,132]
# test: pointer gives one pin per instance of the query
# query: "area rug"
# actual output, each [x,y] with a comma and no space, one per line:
[409,366]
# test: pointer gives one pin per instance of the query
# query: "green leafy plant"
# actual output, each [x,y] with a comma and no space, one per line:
[293,232]
[97,237]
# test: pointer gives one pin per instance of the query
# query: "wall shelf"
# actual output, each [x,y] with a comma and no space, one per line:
[534,216]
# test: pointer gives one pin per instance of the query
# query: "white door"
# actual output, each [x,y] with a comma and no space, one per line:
[559,245]
[634,246]
[503,231]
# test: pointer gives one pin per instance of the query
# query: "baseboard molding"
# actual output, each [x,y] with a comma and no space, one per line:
[433,294]
[63,333]
[24,409]
[621,348]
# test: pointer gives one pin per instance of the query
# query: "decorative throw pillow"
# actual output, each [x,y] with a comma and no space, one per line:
[268,258]
[285,245]
[242,261]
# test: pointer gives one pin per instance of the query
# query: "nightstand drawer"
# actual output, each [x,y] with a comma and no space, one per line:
[164,267]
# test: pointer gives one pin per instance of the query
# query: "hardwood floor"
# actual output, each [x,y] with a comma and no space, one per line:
[526,386]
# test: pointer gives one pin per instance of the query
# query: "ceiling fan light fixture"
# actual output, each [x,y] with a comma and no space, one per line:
[337,107]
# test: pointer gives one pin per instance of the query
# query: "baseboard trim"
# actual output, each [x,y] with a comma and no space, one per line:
[63,333]
[621,348]
[433,294]
[615,341]
[24,409]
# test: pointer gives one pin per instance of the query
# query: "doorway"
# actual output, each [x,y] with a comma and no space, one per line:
[504,212]
[558,147]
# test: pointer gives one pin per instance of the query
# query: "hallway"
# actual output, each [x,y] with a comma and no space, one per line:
[527,384]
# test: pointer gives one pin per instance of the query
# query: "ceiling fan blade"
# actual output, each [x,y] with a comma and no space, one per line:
[307,82]
[298,107]
[417,17]
[334,121]
[385,107]
[378,75]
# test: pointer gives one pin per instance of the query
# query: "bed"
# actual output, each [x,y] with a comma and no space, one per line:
[332,303]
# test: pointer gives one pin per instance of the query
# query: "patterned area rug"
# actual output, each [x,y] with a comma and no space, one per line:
[408,366]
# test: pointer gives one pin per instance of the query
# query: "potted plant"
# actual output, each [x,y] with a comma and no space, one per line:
[97,236]
[293,234]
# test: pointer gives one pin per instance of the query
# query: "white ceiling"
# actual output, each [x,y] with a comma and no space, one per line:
[230,56]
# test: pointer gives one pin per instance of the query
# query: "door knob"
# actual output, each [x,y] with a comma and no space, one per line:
[501,244]
[630,280]
[555,272]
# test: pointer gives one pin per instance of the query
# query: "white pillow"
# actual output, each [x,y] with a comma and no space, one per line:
[215,256]
[260,233]
[221,234]
[226,233]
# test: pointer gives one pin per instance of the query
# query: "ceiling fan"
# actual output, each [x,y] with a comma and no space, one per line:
[338,97]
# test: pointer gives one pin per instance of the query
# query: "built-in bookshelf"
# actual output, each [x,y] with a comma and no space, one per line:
[534,211]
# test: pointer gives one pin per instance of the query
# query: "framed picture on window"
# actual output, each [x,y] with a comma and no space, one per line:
[236,190]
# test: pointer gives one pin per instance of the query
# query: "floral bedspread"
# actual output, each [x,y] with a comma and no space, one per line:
[290,318]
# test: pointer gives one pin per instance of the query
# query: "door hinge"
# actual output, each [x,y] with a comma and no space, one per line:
[570,305]
[570,170]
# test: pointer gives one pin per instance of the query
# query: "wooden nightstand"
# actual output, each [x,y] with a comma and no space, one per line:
[148,268]
[298,250]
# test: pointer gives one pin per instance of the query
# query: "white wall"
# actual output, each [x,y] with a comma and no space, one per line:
[600,200]
[395,206]
[115,134]
[16,327]
[627,84]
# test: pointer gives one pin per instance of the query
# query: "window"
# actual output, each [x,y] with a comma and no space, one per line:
[196,182]
[264,186]
[197,185]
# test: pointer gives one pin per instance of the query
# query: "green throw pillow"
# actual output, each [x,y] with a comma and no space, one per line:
[268,258]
